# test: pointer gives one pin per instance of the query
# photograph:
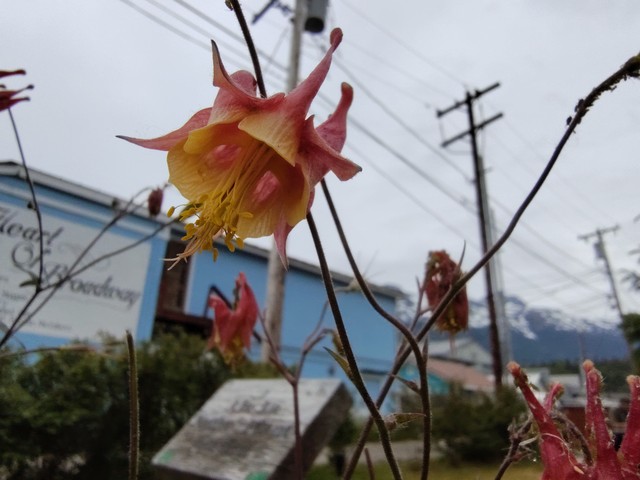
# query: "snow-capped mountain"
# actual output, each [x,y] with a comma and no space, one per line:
[540,336]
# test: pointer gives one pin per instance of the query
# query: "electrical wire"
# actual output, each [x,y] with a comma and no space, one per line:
[405,45]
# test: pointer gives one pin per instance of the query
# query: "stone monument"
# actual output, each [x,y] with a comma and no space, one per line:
[245,431]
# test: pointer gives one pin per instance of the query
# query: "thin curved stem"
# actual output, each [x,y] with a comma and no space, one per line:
[109,255]
[38,282]
[426,422]
[517,437]
[349,356]
[401,327]
[134,409]
[294,382]
[250,45]
[34,199]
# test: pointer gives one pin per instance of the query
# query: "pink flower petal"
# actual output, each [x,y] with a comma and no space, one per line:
[630,447]
[236,98]
[598,434]
[233,328]
[168,141]
[559,462]
[280,126]
[334,130]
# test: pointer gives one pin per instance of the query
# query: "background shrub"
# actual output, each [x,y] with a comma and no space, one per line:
[473,427]
[65,414]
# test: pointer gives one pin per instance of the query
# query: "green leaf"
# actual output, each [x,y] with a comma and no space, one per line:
[341,361]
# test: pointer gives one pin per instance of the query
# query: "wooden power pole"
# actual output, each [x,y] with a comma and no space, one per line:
[483,215]
[276,272]
[601,253]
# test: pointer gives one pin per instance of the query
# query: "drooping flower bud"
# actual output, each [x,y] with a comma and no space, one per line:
[441,275]
[233,327]
[154,201]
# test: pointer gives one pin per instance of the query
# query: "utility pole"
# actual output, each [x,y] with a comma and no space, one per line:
[601,253]
[276,272]
[308,15]
[504,329]
[483,215]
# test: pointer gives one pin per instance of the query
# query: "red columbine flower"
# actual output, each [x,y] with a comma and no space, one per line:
[248,165]
[8,97]
[442,273]
[233,327]
[560,463]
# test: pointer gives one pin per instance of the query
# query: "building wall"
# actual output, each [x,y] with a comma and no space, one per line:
[373,339]
[109,297]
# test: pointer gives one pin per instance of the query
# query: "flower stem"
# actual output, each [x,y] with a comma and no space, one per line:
[355,376]
[34,201]
[401,327]
[134,423]
[250,45]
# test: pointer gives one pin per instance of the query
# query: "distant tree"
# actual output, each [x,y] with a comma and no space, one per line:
[65,416]
[631,331]
[560,367]
[631,277]
[615,374]
[614,371]
[474,427]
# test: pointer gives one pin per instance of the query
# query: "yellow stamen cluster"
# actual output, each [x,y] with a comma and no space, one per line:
[218,212]
[215,217]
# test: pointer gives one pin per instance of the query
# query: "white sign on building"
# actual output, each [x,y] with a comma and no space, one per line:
[106,298]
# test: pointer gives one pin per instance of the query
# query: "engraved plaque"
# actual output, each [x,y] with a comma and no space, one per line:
[245,431]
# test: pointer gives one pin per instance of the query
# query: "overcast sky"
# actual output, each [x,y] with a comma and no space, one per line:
[103,68]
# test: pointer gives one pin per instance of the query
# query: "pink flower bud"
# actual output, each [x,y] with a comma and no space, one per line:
[560,461]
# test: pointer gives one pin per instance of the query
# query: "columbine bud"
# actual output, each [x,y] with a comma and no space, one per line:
[441,275]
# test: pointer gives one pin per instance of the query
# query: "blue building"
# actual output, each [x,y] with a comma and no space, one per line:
[134,290]
[117,294]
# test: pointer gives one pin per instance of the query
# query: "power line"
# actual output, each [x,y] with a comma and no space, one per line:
[584,199]
[406,46]
[164,24]
[385,108]
[409,195]
[407,73]
[466,203]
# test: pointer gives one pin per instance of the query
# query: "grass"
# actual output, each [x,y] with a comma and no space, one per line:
[439,471]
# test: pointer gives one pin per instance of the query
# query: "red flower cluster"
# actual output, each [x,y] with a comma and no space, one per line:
[560,462]
[233,327]
[8,97]
[442,273]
